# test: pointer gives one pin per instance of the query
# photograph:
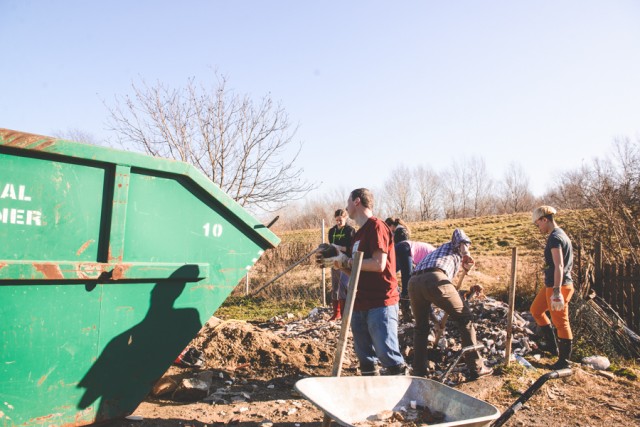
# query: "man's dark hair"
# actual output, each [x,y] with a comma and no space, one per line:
[340,212]
[366,197]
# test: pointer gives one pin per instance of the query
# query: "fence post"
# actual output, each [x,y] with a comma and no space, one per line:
[512,301]
[636,298]
[246,284]
[580,287]
[628,294]
[597,260]
[324,284]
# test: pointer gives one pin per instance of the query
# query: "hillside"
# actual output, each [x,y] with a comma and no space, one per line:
[493,238]
[490,235]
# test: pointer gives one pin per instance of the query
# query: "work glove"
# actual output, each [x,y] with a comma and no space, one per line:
[475,290]
[467,262]
[557,300]
[330,256]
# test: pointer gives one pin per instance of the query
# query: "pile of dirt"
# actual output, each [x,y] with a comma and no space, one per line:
[234,345]
[251,370]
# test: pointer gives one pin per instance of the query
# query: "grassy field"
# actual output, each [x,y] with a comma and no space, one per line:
[493,239]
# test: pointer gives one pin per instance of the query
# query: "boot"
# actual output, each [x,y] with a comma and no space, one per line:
[369,370]
[341,303]
[395,370]
[549,339]
[337,314]
[564,354]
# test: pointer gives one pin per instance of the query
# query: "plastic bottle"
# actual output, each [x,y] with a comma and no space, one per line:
[524,362]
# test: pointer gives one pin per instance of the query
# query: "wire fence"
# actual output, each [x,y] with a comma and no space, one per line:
[288,272]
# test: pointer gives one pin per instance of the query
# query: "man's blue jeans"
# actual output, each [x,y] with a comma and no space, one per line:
[375,337]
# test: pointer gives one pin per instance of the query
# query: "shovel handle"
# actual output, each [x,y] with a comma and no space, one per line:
[517,405]
[455,362]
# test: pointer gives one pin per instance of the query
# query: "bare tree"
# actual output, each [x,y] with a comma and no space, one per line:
[310,212]
[457,186]
[76,135]
[428,187]
[462,177]
[515,195]
[398,193]
[241,145]
[571,189]
[481,186]
[450,194]
[611,187]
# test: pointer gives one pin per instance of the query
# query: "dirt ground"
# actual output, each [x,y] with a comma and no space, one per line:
[251,369]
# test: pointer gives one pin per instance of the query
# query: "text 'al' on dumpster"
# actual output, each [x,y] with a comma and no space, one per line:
[110,264]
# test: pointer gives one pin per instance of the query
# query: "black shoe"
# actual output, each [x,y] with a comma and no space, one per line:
[565,348]
[560,364]
[549,337]
[395,370]
[369,371]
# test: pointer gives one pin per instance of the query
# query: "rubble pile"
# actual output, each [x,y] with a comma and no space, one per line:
[285,347]
[491,330]
[410,417]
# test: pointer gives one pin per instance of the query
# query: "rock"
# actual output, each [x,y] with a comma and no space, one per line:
[599,363]
[384,415]
[164,386]
[191,389]
[206,377]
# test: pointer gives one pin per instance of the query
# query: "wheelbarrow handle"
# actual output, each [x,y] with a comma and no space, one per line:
[561,373]
[517,405]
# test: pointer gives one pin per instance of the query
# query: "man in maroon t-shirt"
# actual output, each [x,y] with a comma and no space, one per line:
[375,313]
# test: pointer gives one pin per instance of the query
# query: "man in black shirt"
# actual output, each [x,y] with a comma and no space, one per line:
[341,236]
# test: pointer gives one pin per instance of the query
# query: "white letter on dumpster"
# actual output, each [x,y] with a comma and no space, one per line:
[33,217]
[9,192]
[21,195]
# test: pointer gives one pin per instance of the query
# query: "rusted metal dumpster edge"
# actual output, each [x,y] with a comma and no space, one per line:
[32,142]
[87,271]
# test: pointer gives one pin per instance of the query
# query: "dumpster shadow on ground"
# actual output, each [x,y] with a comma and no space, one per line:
[131,363]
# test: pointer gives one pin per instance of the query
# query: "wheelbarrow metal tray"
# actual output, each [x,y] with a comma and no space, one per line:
[351,400]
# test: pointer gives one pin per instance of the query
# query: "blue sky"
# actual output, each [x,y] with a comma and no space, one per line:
[373,85]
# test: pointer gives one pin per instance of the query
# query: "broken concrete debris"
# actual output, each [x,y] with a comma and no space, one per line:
[304,347]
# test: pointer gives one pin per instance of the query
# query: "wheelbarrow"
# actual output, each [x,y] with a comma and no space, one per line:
[356,401]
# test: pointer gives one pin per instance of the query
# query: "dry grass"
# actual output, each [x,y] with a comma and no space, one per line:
[493,239]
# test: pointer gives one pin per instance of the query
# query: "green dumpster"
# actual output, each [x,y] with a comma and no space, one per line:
[110,264]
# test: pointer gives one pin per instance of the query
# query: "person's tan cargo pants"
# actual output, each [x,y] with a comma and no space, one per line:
[434,287]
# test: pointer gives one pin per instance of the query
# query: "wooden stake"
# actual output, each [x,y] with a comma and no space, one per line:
[324,277]
[346,322]
[512,301]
